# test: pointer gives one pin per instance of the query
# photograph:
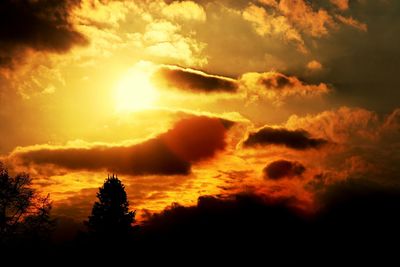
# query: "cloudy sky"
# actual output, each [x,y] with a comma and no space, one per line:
[188,98]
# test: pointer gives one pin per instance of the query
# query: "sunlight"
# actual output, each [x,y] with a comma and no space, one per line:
[134,91]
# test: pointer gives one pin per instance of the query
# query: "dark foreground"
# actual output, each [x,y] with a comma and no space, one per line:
[358,224]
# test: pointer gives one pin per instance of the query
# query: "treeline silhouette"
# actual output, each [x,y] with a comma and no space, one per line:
[358,223]
[24,215]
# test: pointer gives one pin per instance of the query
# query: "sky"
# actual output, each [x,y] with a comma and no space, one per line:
[181,99]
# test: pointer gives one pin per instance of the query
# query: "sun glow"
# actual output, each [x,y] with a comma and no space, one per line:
[135,91]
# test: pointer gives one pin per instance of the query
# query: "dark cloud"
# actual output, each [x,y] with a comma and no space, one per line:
[283,169]
[150,157]
[197,138]
[277,81]
[39,25]
[192,80]
[190,140]
[297,139]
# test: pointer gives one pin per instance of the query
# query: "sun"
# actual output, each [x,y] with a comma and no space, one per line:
[134,91]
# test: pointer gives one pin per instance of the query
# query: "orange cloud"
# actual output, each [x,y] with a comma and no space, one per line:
[340,126]
[314,65]
[296,19]
[359,145]
[341,4]
[350,21]
[277,86]
[365,146]
[269,25]
[392,122]
[301,14]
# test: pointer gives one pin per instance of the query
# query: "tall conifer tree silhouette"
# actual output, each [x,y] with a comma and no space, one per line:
[110,214]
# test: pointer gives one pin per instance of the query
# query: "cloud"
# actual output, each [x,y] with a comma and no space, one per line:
[272,85]
[186,10]
[151,157]
[350,21]
[269,25]
[191,140]
[287,85]
[197,138]
[314,65]
[301,14]
[344,125]
[366,145]
[269,3]
[278,87]
[283,169]
[193,80]
[103,15]
[341,4]
[38,26]
[296,139]
[276,81]
[163,39]
[392,122]
[296,21]
[152,31]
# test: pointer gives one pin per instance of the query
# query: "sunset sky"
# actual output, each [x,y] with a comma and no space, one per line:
[181,99]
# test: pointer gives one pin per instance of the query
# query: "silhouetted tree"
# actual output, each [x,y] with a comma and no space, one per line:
[24,214]
[110,216]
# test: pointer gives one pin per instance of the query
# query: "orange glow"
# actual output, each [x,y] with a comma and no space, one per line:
[198,76]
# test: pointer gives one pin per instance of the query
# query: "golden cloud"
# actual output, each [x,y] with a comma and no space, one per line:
[186,10]
[341,4]
[350,21]
[296,19]
[277,86]
[340,126]
[270,25]
[301,14]
[314,65]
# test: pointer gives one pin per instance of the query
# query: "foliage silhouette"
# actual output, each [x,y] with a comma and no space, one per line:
[110,216]
[24,214]
[357,223]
